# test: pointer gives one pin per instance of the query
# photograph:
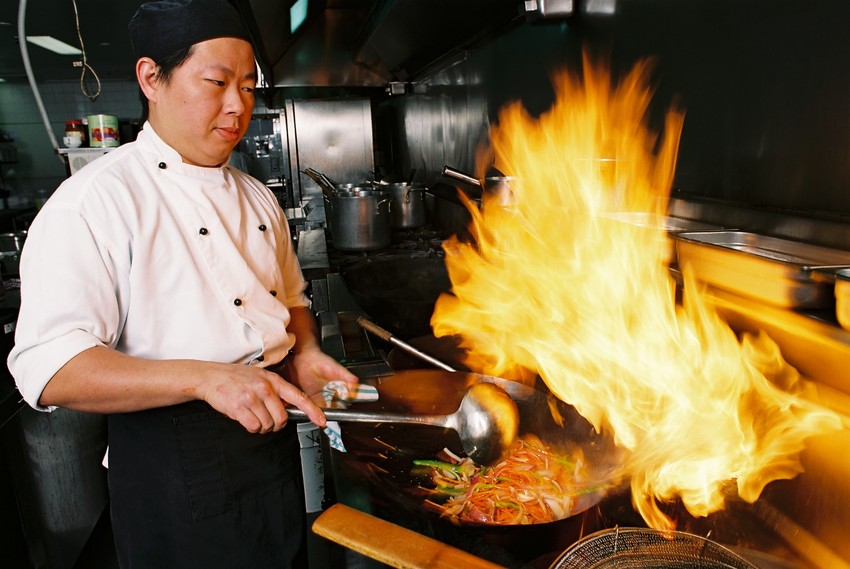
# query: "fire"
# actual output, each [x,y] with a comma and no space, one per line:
[559,285]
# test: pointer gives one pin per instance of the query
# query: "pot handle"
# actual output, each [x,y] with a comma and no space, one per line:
[463,177]
[387,201]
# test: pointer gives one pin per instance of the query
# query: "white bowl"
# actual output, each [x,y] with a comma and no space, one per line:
[72,141]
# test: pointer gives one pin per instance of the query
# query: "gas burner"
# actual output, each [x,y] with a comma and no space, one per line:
[426,233]
[420,242]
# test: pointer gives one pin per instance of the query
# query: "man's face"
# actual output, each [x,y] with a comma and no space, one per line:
[205,107]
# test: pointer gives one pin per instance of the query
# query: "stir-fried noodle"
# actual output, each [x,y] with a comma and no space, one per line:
[531,486]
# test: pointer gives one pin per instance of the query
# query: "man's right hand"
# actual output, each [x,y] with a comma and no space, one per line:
[256,397]
[103,380]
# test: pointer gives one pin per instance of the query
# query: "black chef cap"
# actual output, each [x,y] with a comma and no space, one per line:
[160,29]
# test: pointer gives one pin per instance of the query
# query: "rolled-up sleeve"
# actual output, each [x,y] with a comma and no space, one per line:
[70,298]
[293,278]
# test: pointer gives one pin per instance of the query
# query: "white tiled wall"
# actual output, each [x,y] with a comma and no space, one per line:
[39,167]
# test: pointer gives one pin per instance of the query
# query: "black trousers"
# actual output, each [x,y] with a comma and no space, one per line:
[190,488]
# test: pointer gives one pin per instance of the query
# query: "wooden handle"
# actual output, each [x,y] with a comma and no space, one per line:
[391,544]
[370,326]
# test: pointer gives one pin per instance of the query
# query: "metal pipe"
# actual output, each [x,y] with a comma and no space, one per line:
[386,335]
[22,42]
[458,175]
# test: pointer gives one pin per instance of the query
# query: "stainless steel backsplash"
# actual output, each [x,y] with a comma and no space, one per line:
[764,85]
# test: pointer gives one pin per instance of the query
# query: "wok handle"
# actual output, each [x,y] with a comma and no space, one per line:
[391,544]
[370,326]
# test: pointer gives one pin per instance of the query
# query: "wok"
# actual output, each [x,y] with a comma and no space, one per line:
[381,458]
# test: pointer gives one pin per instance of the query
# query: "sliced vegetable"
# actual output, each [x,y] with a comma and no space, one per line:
[437,464]
[533,485]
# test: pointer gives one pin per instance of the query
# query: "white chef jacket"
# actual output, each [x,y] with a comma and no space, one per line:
[158,259]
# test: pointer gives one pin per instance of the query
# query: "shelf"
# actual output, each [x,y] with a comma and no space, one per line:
[86,150]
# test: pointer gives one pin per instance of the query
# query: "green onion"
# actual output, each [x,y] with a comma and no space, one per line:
[450,490]
[437,464]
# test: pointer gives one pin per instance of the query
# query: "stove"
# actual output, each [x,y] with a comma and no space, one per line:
[756,532]
[422,241]
[394,286]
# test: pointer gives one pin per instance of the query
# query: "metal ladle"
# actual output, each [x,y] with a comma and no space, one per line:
[487,421]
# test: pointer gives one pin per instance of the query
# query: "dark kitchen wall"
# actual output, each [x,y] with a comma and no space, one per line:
[765,86]
[38,167]
[766,90]
[443,119]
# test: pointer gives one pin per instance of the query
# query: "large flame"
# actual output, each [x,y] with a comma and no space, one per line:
[562,285]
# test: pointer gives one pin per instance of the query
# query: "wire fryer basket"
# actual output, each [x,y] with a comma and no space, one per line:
[642,548]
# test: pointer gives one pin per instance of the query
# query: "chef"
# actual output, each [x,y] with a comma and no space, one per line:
[159,286]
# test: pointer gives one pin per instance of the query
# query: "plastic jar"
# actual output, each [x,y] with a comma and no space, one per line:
[75,134]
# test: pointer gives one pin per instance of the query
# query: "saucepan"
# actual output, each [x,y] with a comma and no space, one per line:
[495,188]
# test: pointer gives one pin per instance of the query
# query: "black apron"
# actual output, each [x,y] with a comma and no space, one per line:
[190,487]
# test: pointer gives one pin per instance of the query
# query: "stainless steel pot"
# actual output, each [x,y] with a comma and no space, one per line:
[447,212]
[10,252]
[359,219]
[407,205]
[12,242]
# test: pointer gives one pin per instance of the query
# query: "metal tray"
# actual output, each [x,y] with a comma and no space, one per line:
[668,223]
[671,226]
[842,298]
[777,271]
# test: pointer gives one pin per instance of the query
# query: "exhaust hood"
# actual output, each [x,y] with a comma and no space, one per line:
[368,43]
